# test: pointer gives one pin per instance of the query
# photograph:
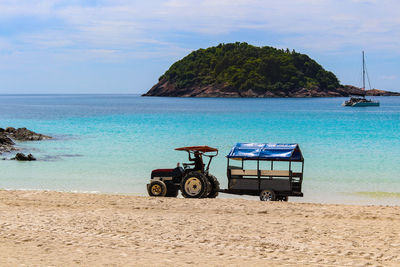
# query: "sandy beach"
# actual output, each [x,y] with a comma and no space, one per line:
[62,229]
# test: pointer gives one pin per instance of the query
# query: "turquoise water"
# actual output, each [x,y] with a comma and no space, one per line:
[110,143]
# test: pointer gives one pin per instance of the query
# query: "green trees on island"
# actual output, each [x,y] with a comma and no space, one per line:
[241,66]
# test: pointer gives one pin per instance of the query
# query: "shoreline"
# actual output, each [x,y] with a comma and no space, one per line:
[390,199]
[59,228]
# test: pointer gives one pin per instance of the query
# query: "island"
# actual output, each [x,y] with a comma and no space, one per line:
[243,70]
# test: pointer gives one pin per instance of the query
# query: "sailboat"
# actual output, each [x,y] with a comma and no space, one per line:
[355,101]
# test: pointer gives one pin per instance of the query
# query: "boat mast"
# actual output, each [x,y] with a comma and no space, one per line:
[363,70]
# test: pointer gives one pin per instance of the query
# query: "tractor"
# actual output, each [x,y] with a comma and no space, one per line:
[194,179]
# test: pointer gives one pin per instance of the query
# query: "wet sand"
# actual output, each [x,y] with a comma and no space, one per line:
[63,229]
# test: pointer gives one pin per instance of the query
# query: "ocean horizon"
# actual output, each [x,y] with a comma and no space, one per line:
[109,143]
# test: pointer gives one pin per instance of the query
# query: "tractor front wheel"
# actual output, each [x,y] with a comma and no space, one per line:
[195,185]
[157,189]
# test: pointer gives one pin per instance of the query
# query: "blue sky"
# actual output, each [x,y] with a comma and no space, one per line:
[124,46]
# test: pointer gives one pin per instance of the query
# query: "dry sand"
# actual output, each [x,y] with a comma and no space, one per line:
[63,229]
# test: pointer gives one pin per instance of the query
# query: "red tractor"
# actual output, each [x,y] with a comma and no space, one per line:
[194,179]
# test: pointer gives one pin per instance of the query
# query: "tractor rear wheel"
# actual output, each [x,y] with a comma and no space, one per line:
[195,185]
[214,187]
[157,189]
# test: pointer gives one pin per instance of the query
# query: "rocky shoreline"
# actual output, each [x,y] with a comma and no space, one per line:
[165,88]
[9,135]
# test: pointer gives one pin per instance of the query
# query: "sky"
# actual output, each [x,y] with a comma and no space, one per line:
[116,46]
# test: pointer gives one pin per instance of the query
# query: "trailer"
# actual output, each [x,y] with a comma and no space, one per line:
[263,179]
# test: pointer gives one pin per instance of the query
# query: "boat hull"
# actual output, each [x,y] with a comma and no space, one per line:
[360,103]
[366,104]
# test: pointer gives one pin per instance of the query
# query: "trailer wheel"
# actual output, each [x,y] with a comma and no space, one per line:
[214,187]
[267,195]
[172,190]
[195,185]
[157,189]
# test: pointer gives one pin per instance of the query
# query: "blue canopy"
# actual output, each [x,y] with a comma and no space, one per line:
[264,151]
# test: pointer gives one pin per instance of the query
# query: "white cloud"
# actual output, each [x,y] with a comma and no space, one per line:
[389,77]
[325,25]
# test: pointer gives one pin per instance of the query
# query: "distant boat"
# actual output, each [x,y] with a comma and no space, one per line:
[361,101]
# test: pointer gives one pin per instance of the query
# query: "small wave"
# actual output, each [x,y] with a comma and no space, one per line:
[64,137]
[71,155]
[83,191]
[379,194]
[53,190]
[58,157]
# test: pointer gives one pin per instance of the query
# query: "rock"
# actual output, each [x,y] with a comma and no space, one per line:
[31,157]
[23,134]
[23,157]
[10,130]
[5,140]
[377,92]
[167,88]
[6,144]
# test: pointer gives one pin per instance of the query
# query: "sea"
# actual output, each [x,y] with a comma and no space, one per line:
[111,143]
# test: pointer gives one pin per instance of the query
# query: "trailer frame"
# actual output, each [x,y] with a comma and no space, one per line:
[279,184]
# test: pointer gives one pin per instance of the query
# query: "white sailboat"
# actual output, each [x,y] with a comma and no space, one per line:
[357,101]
